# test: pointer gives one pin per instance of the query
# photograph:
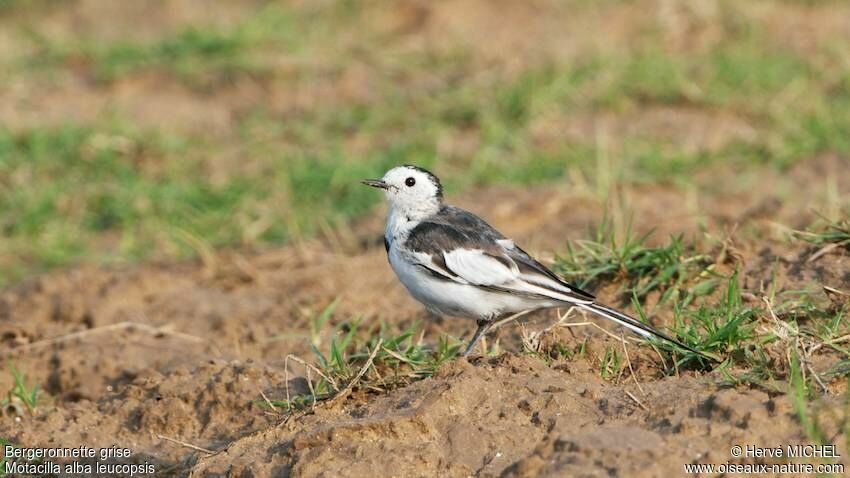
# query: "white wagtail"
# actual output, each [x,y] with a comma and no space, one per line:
[458,265]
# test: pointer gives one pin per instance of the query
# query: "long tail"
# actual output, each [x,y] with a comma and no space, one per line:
[639,326]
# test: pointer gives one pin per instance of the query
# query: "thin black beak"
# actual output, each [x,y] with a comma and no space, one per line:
[376,183]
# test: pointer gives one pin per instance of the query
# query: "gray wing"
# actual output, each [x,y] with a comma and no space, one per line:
[462,247]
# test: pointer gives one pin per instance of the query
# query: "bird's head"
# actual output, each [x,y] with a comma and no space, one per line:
[411,190]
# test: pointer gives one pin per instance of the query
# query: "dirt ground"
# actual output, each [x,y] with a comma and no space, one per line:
[141,356]
[183,350]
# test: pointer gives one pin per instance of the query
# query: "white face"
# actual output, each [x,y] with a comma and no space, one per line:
[411,191]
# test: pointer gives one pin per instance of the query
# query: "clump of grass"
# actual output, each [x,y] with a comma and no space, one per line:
[21,393]
[828,235]
[823,323]
[373,360]
[724,327]
[769,341]
[611,364]
[800,396]
[758,339]
[670,269]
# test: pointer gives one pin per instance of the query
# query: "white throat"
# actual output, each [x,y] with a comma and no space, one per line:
[401,222]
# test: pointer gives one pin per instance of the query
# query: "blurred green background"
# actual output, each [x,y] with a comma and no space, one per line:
[139,130]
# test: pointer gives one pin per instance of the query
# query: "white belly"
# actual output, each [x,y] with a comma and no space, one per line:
[453,298]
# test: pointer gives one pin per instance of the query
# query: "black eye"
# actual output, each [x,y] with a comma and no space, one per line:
[410,182]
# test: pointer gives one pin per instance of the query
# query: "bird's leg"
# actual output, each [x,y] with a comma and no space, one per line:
[483,326]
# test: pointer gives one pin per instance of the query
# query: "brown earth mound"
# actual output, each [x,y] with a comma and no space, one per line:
[516,416]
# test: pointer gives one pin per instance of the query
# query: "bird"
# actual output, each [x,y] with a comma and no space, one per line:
[457,264]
